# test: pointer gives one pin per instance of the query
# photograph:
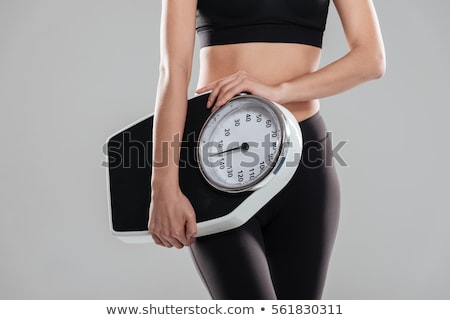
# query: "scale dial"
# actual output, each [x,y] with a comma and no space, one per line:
[241,143]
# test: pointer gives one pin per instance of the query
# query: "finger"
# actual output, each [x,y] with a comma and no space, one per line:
[157,241]
[174,242]
[158,238]
[206,88]
[215,92]
[231,92]
[164,241]
[182,235]
[153,234]
[185,242]
[242,83]
[191,228]
[178,239]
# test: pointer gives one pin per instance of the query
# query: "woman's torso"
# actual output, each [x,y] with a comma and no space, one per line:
[270,63]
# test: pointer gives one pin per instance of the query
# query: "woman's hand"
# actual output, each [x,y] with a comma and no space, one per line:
[226,88]
[172,219]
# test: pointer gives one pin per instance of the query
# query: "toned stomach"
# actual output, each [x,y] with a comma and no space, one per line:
[270,63]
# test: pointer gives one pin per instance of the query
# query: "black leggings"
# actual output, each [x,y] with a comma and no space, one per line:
[283,251]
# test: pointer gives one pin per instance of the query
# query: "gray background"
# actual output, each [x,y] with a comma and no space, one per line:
[74,72]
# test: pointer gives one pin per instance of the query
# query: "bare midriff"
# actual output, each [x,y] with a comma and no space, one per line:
[269,63]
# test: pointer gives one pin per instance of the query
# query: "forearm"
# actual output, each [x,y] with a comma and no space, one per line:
[364,61]
[358,66]
[168,127]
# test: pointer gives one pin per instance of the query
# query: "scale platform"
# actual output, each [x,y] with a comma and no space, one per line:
[129,158]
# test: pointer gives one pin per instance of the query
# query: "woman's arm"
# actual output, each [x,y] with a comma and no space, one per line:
[364,61]
[172,218]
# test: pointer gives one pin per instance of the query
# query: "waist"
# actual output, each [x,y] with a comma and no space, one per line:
[269,63]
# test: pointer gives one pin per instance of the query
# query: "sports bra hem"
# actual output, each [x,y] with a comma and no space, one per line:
[267,32]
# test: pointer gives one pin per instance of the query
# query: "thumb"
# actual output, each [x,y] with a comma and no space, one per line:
[191,227]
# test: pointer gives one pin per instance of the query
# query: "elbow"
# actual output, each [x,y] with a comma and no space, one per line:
[376,65]
[370,63]
[379,67]
[174,70]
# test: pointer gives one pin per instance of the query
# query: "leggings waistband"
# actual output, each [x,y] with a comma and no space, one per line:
[313,128]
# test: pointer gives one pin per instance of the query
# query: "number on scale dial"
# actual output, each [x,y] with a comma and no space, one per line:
[240,143]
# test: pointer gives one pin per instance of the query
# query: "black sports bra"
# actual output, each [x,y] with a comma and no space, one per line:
[237,21]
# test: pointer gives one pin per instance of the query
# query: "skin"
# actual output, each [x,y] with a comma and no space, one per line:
[282,72]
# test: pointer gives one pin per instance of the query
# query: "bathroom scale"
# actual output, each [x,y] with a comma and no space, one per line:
[232,162]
